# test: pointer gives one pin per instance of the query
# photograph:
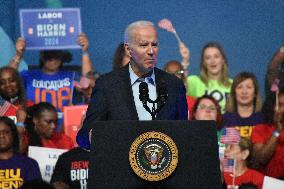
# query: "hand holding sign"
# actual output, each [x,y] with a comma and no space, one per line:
[83,42]
[20,46]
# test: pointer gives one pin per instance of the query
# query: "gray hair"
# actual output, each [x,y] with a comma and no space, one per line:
[128,31]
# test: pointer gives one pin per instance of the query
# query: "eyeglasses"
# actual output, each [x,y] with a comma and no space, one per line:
[179,72]
[204,107]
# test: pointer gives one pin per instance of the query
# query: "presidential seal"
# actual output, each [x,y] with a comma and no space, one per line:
[153,156]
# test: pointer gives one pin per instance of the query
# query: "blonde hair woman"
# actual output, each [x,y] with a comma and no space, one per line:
[213,79]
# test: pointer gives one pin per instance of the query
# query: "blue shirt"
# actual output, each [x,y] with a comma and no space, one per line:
[142,113]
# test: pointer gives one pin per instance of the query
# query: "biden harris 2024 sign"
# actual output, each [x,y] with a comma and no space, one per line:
[50,28]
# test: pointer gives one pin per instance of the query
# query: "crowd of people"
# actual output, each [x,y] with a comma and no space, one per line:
[38,97]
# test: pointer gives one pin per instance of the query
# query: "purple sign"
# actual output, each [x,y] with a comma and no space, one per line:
[50,28]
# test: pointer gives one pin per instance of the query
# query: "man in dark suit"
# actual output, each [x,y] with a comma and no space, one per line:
[116,94]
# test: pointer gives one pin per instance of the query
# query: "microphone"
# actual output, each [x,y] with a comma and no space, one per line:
[162,96]
[143,92]
[160,101]
[144,98]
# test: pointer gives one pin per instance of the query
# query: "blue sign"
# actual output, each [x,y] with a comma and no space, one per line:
[50,28]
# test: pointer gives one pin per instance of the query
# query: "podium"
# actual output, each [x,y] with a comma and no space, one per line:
[198,164]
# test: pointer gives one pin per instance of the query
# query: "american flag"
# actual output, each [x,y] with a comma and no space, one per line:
[4,106]
[230,135]
[167,25]
[229,165]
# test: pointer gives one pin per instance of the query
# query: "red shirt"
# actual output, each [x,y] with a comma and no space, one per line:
[250,175]
[190,103]
[58,140]
[260,135]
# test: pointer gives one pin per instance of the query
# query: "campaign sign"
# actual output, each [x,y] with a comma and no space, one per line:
[50,28]
[73,116]
[46,159]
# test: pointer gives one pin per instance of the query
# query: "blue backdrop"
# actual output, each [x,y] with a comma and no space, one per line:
[250,30]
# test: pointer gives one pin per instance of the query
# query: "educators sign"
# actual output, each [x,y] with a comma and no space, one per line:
[50,28]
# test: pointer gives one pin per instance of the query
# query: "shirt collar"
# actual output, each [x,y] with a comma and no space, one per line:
[134,77]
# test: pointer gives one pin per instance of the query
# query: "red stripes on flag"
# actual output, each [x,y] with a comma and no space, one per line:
[230,135]
[229,165]
[4,106]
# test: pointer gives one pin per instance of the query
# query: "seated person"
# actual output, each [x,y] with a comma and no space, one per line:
[15,169]
[242,173]
[71,169]
[40,125]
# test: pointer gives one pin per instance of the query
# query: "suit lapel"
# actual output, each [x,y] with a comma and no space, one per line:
[158,80]
[127,93]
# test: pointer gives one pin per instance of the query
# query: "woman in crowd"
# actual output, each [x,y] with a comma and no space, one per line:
[213,79]
[241,153]
[207,108]
[40,125]
[268,139]
[243,105]
[12,89]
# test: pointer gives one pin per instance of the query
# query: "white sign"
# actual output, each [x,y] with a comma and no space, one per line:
[46,159]
[272,183]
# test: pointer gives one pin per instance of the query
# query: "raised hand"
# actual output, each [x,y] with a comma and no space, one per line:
[20,46]
[83,41]
[184,52]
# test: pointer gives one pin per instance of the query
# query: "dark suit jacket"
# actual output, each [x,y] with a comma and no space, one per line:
[112,99]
